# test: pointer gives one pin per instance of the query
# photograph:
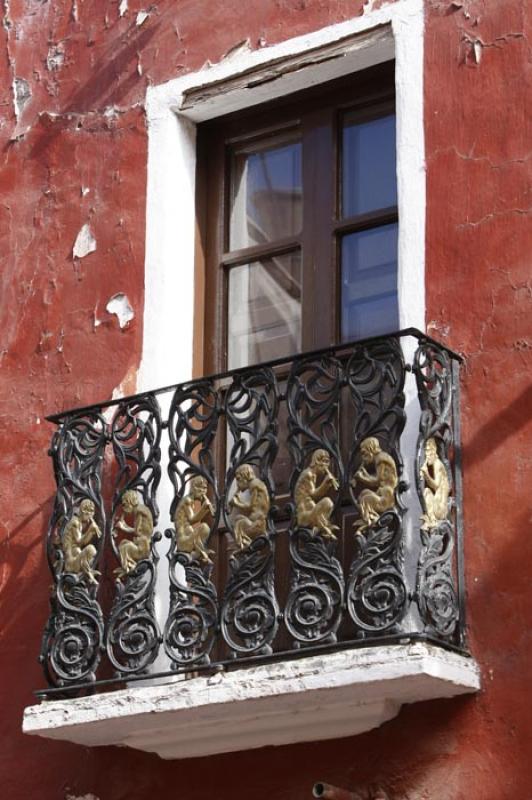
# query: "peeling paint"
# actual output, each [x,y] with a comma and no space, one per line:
[55,59]
[21,94]
[141,18]
[89,796]
[119,304]
[85,242]
[244,46]
[122,8]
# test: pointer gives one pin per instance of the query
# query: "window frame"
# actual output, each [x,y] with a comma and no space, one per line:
[317,112]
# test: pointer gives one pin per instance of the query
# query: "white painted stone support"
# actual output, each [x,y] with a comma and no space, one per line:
[307,699]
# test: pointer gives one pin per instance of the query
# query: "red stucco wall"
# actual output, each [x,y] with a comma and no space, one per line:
[84,126]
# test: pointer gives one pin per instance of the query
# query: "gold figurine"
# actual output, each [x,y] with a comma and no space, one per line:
[313,508]
[133,550]
[79,553]
[436,491]
[250,515]
[192,532]
[379,473]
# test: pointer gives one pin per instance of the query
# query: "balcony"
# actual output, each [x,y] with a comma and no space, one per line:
[308,514]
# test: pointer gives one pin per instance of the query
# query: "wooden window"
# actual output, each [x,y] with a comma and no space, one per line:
[298,219]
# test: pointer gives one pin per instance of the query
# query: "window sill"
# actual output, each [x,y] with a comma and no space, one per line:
[308,699]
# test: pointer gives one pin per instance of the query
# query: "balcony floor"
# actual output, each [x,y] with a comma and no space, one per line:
[308,699]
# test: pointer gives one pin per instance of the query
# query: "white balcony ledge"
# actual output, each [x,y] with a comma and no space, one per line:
[307,699]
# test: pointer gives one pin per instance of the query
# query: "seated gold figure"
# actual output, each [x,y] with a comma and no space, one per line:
[379,474]
[133,550]
[436,492]
[313,509]
[78,552]
[250,515]
[192,532]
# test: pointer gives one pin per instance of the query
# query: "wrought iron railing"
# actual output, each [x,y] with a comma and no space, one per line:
[308,504]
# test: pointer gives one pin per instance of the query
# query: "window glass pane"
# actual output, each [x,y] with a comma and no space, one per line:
[369,283]
[266,194]
[368,165]
[264,313]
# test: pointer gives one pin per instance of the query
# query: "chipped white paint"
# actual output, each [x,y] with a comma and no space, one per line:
[85,242]
[141,18]
[81,797]
[84,191]
[395,30]
[309,699]
[55,59]
[21,95]
[122,8]
[119,304]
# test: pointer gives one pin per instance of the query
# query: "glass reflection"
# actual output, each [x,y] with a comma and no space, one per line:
[266,194]
[368,175]
[264,310]
[369,283]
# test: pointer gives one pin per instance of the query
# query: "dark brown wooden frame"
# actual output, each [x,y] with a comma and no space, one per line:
[317,113]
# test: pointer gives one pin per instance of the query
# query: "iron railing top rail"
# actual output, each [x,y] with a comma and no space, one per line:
[277,362]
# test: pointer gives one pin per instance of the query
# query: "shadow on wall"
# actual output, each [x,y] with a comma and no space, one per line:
[112,77]
[488,438]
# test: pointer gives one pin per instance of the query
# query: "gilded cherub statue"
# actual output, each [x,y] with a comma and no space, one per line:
[379,473]
[249,515]
[78,552]
[133,550]
[192,532]
[436,491]
[313,509]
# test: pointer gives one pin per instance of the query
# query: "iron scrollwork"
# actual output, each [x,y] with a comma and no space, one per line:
[250,612]
[341,413]
[314,606]
[73,637]
[192,622]
[435,586]
[132,633]
[376,590]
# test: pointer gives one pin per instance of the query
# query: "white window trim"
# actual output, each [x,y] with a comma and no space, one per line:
[239,81]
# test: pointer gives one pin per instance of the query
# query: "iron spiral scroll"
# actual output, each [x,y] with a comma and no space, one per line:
[132,634]
[377,594]
[193,618]
[73,637]
[313,610]
[249,616]
[192,623]
[436,589]
[376,589]
[250,613]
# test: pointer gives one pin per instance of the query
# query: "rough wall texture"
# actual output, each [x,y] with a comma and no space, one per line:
[73,75]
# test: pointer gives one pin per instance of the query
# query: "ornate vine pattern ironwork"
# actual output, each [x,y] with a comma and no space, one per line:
[376,589]
[250,611]
[313,611]
[132,634]
[191,626]
[344,412]
[436,591]
[314,607]
[73,637]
